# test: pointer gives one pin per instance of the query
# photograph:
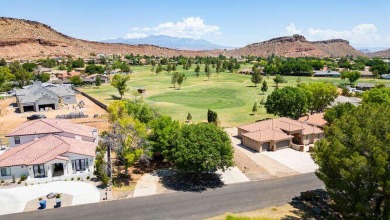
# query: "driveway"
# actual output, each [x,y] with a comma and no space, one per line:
[296,160]
[14,200]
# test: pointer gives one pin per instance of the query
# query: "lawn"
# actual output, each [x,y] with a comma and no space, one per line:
[231,95]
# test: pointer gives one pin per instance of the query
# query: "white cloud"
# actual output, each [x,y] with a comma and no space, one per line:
[190,27]
[291,29]
[362,34]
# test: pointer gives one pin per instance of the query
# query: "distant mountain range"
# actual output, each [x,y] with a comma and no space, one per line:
[367,50]
[170,42]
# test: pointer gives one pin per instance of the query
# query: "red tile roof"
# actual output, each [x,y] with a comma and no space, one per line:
[52,126]
[268,135]
[45,149]
[315,119]
[277,129]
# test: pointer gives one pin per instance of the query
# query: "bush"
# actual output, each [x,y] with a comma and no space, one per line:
[23,177]
[2,181]
[88,177]
[19,182]
[58,195]
[72,179]
[25,184]
[40,199]
[78,178]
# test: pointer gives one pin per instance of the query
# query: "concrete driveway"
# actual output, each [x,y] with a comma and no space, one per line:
[296,160]
[14,200]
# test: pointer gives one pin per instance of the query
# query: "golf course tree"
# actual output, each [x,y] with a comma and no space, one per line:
[174,78]
[98,81]
[278,79]
[201,148]
[212,116]
[255,108]
[189,117]
[354,162]
[180,79]
[287,102]
[264,87]
[319,95]
[119,81]
[207,70]
[256,77]
[352,76]
[197,70]
[377,95]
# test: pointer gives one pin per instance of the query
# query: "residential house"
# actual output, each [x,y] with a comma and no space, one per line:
[48,149]
[274,134]
[345,99]
[91,79]
[385,76]
[328,73]
[40,96]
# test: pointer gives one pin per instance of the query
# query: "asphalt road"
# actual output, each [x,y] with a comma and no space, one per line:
[186,205]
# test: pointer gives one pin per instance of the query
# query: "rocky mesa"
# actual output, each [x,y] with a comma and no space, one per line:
[298,46]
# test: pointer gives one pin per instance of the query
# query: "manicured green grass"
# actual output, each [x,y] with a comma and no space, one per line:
[231,95]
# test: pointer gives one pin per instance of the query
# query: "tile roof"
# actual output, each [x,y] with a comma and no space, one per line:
[314,119]
[268,135]
[45,149]
[277,129]
[52,126]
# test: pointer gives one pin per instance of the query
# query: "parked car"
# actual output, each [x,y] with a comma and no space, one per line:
[36,116]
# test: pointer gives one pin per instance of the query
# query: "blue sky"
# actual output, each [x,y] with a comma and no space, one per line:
[229,22]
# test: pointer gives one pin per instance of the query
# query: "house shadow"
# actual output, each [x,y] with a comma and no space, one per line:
[312,204]
[188,182]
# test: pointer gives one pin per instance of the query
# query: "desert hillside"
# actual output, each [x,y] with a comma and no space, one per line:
[298,46]
[24,39]
[382,53]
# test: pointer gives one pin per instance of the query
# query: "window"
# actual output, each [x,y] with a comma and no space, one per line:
[17,139]
[6,171]
[80,164]
[39,170]
[318,136]
[308,137]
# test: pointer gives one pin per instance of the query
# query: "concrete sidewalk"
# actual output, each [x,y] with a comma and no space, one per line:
[14,200]
[146,185]
[233,175]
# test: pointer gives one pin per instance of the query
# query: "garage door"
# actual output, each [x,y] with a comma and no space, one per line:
[283,144]
[28,108]
[265,146]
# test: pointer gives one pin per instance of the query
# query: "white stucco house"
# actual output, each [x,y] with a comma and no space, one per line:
[49,149]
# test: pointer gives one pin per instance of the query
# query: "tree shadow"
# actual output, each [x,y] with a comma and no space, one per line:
[313,204]
[114,97]
[188,182]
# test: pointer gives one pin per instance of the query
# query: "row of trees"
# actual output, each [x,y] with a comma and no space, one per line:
[296,101]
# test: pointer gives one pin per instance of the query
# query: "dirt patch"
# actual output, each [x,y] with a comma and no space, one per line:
[275,212]
[252,170]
